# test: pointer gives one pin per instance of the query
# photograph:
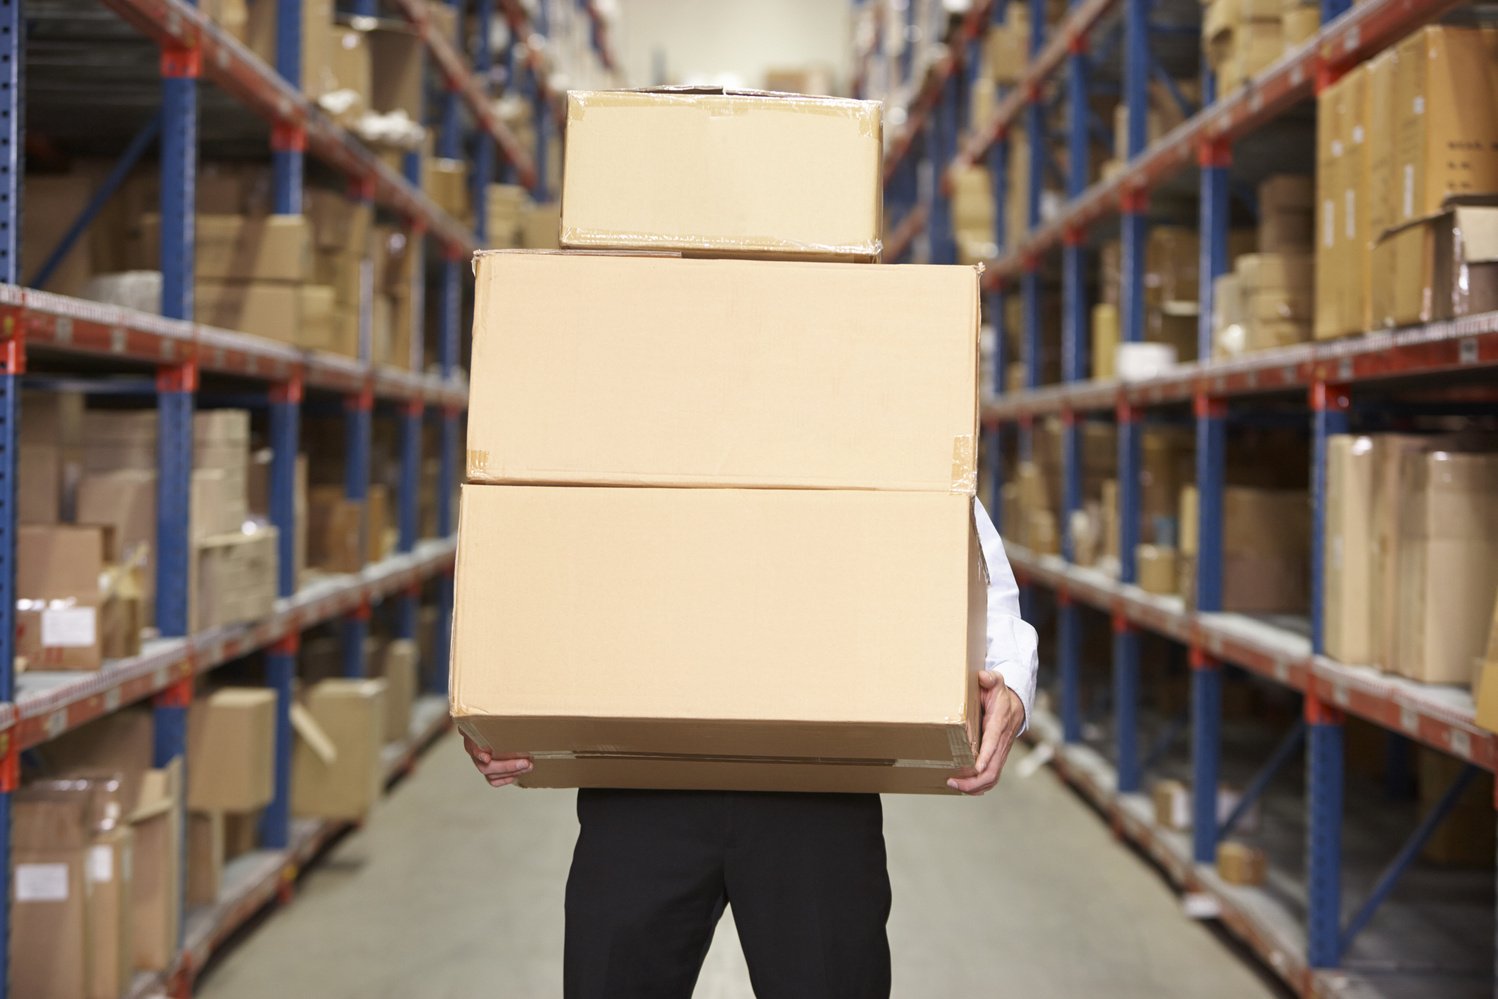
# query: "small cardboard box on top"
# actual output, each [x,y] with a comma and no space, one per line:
[812,615]
[727,173]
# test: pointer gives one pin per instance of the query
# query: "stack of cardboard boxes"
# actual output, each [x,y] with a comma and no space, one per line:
[1268,299]
[732,395]
[1411,563]
[97,863]
[1392,248]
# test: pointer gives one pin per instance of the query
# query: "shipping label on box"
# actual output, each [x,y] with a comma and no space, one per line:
[723,173]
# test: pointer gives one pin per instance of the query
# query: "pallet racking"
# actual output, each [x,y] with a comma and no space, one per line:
[1119,38]
[56,330]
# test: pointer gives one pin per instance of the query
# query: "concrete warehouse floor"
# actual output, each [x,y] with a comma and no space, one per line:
[453,889]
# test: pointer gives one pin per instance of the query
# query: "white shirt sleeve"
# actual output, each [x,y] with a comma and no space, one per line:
[1013,646]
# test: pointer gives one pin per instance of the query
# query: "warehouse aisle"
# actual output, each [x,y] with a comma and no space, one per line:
[453,890]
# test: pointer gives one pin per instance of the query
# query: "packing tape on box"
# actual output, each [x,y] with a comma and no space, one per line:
[964,465]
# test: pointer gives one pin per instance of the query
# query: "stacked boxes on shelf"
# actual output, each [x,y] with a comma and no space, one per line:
[1395,242]
[1241,38]
[1412,524]
[737,447]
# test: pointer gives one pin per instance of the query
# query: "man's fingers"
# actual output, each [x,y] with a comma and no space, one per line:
[973,785]
[988,679]
[501,781]
[992,730]
[505,768]
[479,753]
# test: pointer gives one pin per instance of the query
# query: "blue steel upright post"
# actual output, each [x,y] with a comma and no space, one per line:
[13,360]
[1133,231]
[541,114]
[483,154]
[448,305]
[177,385]
[288,149]
[998,168]
[942,148]
[1074,364]
[1324,775]
[1211,462]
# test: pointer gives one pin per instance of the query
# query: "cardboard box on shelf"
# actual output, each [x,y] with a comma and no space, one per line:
[317,40]
[1446,564]
[58,595]
[400,674]
[1348,605]
[125,502]
[540,226]
[336,764]
[924,319]
[1439,267]
[1239,864]
[269,309]
[1266,558]
[335,526]
[338,222]
[504,206]
[348,79]
[1330,108]
[723,173]
[116,439]
[1287,214]
[156,867]
[240,247]
[234,577]
[321,327]
[445,181]
[205,856]
[1445,99]
[513,692]
[397,60]
[52,203]
[1378,208]
[241,834]
[231,749]
[379,530]
[1156,566]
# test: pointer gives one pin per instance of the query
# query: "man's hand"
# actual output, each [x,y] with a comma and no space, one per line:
[498,771]
[1003,717]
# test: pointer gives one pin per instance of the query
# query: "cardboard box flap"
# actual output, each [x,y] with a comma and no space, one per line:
[1476,232]
[307,728]
[867,113]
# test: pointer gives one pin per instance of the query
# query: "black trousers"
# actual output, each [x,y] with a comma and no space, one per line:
[652,871]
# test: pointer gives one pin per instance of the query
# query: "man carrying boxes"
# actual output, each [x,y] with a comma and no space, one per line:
[720,563]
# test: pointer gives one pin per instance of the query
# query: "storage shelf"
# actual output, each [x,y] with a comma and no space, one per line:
[1440,717]
[1354,36]
[238,71]
[74,325]
[461,81]
[255,880]
[1263,919]
[1470,342]
[50,703]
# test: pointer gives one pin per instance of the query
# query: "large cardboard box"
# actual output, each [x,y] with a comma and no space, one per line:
[1446,107]
[49,947]
[243,247]
[110,932]
[335,526]
[346,717]
[231,750]
[850,667]
[723,173]
[59,596]
[261,308]
[1446,564]
[1265,550]
[723,372]
[1349,604]
[234,577]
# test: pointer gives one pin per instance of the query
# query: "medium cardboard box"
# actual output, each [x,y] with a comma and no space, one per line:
[338,221]
[1446,564]
[797,375]
[400,669]
[268,309]
[235,577]
[335,527]
[1330,106]
[863,659]
[205,856]
[1239,864]
[125,501]
[348,718]
[445,181]
[58,595]
[1354,257]
[1439,267]
[397,61]
[1389,451]
[157,867]
[110,932]
[1381,185]
[243,247]
[1445,109]
[1105,337]
[231,750]
[723,172]
[349,75]
[1156,568]
[1349,603]
[49,945]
